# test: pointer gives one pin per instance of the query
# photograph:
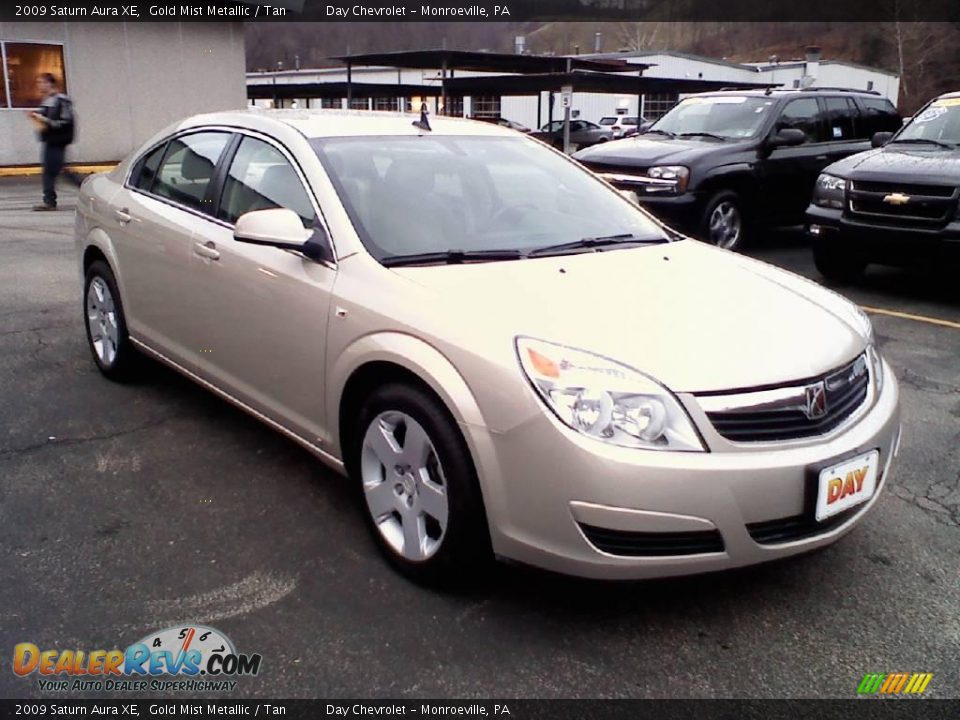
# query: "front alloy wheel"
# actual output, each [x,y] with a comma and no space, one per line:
[419,485]
[725,225]
[106,324]
[404,485]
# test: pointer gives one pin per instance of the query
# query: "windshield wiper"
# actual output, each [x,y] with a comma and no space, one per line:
[658,131]
[595,243]
[702,134]
[450,257]
[924,141]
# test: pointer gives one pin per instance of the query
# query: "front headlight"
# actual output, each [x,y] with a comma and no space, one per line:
[606,400]
[829,191]
[677,174]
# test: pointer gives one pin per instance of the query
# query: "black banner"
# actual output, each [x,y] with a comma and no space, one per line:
[473,709]
[478,10]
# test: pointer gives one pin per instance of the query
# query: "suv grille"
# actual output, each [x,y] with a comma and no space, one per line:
[658,544]
[918,205]
[844,391]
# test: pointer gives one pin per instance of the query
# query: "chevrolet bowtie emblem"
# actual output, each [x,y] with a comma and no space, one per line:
[896,199]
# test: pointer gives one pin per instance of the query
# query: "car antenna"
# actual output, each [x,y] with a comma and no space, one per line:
[423,123]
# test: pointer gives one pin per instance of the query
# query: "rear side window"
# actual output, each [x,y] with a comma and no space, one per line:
[802,114]
[261,178]
[188,166]
[146,170]
[608,121]
[841,118]
[879,115]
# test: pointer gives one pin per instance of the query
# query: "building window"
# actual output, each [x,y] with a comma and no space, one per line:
[486,106]
[22,63]
[655,105]
[454,107]
[331,103]
[385,103]
[359,104]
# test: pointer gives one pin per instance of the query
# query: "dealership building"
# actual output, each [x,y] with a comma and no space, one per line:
[127,80]
[386,81]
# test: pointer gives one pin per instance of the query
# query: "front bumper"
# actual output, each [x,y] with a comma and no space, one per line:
[547,489]
[896,244]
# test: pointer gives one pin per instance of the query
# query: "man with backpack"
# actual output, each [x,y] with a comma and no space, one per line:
[56,124]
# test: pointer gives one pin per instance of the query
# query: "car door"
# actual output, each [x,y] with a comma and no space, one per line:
[265,309]
[152,222]
[843,139]
[787,174]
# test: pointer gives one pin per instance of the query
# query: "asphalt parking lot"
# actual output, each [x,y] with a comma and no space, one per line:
[128,508]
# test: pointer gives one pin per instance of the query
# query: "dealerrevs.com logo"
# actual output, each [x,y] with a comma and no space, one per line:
[200,658]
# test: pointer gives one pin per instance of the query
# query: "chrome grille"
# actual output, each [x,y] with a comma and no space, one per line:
[915,204]
[786,413]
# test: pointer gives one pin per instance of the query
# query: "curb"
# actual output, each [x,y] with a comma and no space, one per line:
[31,170]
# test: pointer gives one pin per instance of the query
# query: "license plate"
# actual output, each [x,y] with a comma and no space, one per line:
[846,484]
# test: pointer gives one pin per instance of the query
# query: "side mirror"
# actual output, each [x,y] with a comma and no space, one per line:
[788,137]
[880,139]
[282,228]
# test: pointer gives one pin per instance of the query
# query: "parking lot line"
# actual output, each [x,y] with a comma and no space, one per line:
[911,316]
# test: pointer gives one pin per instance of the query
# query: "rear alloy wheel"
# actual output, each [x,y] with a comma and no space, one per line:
[838,265]
[105,323]
[723,223]
[419,487]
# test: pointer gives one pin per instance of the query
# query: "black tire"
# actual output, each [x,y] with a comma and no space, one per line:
[120,364]
[464,554]
[728,204]
[838,265]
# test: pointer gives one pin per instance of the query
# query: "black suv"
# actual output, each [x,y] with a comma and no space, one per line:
[719,163]
[896,204]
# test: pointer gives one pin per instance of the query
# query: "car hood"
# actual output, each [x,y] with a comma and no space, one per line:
[647,150]
[695,318]
[902,163]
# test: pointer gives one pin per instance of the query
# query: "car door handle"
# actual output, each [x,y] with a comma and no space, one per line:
[823,157]
[207,250]
[123,216]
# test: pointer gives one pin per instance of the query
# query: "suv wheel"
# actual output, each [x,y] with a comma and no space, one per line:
[105,323]
[723,223]
[421,495]
[836,264]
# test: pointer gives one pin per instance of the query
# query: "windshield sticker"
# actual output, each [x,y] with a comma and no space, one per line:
[837,132]
[931,113]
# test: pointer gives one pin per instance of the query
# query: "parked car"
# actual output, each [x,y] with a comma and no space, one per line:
[504,122]
[896,204]
[451,317]
[583,133]
[622,125]
[719,164]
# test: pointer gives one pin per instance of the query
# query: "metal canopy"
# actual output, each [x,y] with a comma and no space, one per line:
[586,82]
[289,91]
[485,61]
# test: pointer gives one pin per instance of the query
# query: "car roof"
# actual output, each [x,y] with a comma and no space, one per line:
[317,123]
[813,92]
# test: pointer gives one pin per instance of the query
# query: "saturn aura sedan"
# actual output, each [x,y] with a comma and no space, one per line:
[505,355]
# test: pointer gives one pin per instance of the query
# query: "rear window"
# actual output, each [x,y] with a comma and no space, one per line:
[608,121]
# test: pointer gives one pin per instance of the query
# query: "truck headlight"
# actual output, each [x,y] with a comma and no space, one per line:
[830,191]
[606,400]
[678,175]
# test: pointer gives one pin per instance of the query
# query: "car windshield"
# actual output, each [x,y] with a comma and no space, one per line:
[435,194]
[727,116]
[938,123]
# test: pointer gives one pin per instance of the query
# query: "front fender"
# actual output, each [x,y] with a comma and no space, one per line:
[412,354]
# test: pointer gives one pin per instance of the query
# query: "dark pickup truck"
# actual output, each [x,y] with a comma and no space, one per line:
[896,204]
[720,163]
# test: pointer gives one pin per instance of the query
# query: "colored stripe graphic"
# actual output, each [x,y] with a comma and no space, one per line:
[894,683]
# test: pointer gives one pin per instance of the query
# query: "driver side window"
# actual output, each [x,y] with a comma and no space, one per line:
[261,178]
[802,114]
